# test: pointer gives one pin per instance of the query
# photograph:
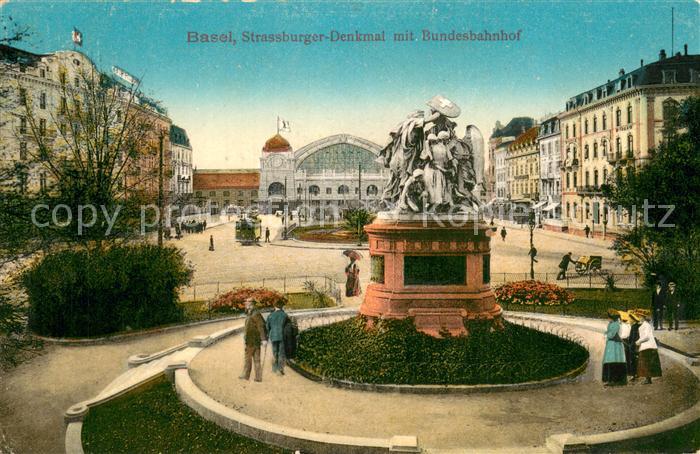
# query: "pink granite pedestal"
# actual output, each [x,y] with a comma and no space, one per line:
[432,271]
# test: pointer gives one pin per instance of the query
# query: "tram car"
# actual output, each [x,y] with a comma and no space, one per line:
[248,230]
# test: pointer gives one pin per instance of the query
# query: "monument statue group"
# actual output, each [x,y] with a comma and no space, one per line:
[435,272]
[431,169]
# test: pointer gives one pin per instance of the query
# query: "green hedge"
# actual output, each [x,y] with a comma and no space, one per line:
[78,293]
[393,351]
[592,303]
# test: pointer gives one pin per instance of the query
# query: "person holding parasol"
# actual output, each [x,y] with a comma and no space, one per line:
[352,273]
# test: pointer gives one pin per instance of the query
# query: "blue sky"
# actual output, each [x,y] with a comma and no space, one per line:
[228,97]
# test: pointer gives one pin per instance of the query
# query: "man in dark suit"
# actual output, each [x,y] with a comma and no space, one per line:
[673,306]
[564,266]
[658,303]
[255,334]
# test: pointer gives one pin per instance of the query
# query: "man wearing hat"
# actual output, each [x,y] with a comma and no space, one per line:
[255,334]
[564,266]
[275,328]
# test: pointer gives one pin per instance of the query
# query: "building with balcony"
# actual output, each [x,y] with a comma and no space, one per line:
[50,87]
[523,167]
[549,144]
[181,164]
[611,128]
[496,171]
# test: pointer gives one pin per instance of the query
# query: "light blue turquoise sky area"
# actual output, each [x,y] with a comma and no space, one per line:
[228,97]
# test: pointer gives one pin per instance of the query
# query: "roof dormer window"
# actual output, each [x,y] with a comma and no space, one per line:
[669,76]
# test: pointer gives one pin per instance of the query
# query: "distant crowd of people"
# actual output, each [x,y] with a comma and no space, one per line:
[190,226]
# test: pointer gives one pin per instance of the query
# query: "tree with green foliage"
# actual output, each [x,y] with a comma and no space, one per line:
[665,192]
[355,220]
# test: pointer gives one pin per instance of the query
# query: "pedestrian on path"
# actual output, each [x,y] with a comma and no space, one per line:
[503,233]
[629,333]
[254,335]
[352,283]
[648,365]
[673,306]
[533,254]
[587,230]
[267,234]
[275,329]
[658,304]
[211,242]
[564,266]
[614,362]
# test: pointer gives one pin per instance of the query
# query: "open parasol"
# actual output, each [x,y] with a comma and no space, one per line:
[353,254]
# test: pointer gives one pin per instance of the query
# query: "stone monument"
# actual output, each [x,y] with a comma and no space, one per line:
[429,252]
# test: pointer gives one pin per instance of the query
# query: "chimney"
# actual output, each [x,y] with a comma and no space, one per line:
[662,55]
[622,71]
[685,49]
[641,62]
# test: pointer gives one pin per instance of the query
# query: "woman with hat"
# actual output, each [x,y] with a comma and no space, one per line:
[614,362]
[630,335]
[648,364]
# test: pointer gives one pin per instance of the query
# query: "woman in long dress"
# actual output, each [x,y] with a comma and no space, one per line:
[648,364]
[352,283]
[614,362]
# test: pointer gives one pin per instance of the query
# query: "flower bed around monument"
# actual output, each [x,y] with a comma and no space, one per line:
[234,301]
[393,351]
[532,293]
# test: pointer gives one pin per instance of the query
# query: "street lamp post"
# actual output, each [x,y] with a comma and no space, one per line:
[531,225]
[284,211]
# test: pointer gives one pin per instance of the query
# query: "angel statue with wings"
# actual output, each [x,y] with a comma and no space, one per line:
[431,169]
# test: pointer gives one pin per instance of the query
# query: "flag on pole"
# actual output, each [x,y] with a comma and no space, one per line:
[77,37]
[283,125]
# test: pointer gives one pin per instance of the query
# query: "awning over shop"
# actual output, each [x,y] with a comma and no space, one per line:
[551,206]
[539,204]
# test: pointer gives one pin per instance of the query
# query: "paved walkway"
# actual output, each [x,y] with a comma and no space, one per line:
[231,263]
[35,395]
[506,420]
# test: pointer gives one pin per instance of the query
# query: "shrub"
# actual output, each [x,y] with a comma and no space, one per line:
[233,301]
[89,293]
[533,293]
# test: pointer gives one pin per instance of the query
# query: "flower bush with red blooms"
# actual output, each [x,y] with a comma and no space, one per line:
[234,301]
[533,293]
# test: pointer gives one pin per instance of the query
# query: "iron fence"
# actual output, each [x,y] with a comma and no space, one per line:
[574,280]
[202,291]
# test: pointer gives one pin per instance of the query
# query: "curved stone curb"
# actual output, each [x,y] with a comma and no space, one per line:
[622,440]
[74,415]
[294,243]
[286,437]
[176,370]
[129,336]
[568,377]
[74,434]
